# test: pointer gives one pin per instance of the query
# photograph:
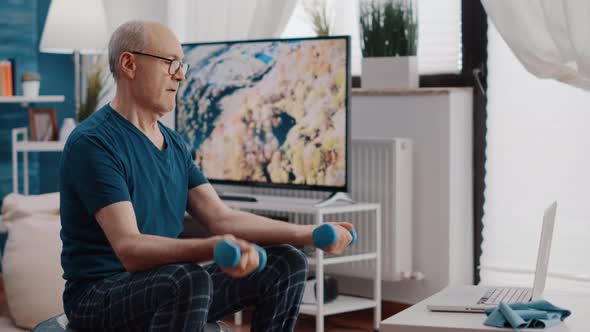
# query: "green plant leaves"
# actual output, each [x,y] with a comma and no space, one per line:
[94,86]
[317,13]
[388,28]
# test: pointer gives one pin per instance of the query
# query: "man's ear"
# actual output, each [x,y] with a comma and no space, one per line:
[127,65]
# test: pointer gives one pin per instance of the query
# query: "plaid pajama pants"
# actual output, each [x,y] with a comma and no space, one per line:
[183,297]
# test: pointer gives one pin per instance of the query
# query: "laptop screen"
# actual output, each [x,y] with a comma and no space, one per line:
[544,250]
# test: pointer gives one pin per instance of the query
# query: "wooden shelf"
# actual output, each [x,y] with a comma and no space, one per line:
[296,205]
[343,303]
[25,100]
[408,91]
[30,146]
[330,259]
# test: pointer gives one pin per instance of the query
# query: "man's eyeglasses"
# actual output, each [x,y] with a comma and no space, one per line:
[175,65]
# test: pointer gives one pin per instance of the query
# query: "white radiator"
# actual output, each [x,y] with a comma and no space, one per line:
[381,172]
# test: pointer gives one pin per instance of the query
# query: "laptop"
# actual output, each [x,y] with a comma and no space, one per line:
[478,298]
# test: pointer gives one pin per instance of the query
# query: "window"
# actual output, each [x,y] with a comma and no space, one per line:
[536,153]
[439,33]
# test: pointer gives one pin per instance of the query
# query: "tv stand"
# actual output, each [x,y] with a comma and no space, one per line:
[238,198]
[305,206]
[337,196]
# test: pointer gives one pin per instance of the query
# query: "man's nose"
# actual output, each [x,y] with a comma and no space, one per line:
[180,75]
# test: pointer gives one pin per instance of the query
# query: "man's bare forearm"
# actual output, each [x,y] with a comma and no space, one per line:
[143,252]
[262,230]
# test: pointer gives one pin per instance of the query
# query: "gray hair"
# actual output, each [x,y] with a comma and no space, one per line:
[129,36]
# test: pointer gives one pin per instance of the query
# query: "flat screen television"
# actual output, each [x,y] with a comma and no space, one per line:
[269,113]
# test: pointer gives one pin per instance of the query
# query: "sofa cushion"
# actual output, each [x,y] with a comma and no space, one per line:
[32,271]
[16,206]
[6,325]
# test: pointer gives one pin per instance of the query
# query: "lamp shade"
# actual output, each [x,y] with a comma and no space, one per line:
[75,25]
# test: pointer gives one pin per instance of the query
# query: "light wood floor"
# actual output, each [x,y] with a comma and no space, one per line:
[3,305]
[349,322]
[361,321]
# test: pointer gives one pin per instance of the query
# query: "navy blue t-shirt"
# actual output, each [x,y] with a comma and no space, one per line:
[106,160]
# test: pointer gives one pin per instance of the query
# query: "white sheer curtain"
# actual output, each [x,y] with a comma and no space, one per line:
[218,20]
[549,37]
[536,143]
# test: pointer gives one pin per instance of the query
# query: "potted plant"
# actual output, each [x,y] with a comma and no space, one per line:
[94,85]
[389,38]
[30,84]
[320,15]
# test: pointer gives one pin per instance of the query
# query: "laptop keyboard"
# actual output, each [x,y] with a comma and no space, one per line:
[494,296]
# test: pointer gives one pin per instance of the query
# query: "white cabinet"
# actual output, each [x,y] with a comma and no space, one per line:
[439,122]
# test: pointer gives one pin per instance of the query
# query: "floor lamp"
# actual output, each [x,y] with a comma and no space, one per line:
[78,27]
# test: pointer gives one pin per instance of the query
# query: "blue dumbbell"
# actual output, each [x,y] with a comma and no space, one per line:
[227,254]
[325,236]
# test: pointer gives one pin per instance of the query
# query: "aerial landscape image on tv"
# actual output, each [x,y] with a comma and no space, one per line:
[267,111]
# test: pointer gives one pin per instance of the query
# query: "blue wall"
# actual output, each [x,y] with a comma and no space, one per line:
[21,28]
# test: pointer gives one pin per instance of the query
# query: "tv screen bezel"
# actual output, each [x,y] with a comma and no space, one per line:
[292,186]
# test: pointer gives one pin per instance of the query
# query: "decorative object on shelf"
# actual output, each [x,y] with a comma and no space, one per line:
[389,39]
[310,290]
[6,77]
[320,15]
[43,124]
[67,31]
[66,128]
[30,84]
[93,87]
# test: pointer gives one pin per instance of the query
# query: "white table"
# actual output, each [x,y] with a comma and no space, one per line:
[419,319]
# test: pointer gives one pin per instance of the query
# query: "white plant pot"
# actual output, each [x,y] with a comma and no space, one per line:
[66,128]
[30,88]
[390,72]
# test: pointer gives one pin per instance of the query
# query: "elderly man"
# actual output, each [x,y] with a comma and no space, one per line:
[126,182]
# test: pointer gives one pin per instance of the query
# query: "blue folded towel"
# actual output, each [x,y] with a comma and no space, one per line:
[536,314]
